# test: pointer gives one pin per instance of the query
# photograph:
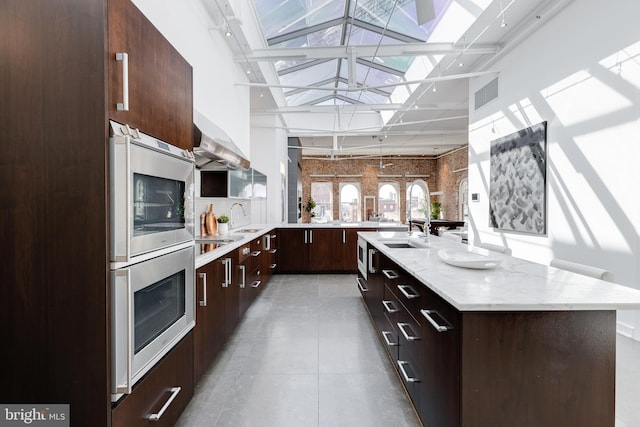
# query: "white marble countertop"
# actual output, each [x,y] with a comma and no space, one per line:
[514,285]
[242,238]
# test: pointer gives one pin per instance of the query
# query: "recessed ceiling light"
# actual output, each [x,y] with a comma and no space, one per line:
[228,32]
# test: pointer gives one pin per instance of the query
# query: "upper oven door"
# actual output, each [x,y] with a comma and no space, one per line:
[152,198]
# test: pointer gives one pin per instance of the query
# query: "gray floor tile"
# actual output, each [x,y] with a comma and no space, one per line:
[305,355]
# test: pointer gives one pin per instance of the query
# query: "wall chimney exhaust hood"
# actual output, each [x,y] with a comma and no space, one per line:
[213,148]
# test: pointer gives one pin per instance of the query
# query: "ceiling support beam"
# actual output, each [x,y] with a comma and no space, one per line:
[368,51]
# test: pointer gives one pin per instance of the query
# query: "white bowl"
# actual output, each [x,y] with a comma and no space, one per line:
[468,259]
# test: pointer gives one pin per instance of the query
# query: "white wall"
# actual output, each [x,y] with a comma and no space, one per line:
[186,25]
[269,156]
[580,72]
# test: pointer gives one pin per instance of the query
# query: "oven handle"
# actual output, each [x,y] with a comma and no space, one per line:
[127,387]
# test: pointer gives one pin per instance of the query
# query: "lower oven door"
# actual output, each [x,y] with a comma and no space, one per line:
[152,308]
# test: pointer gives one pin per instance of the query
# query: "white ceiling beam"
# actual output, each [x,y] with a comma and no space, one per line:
[360,88]
[404,49]
[358,108]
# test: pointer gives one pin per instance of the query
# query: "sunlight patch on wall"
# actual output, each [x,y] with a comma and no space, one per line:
[581,97]
[625,64]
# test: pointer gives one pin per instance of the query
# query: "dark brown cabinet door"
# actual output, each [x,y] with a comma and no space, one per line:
[159,79]
[293,250]
[168,386]
[322,243]
[210,331]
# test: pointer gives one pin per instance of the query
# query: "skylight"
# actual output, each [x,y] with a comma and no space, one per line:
[317,24]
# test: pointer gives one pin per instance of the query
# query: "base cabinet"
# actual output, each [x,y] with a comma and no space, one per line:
[315,249]
[162,395]
[478,369]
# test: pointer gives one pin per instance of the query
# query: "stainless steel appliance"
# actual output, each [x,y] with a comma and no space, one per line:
[152,194]
[152,308]
[362,257]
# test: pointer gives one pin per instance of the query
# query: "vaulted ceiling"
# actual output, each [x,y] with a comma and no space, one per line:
[365,78]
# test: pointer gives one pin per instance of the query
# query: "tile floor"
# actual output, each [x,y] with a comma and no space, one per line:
[306,354]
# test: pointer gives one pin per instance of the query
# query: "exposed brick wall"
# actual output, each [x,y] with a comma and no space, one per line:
[441,177]
[449,181]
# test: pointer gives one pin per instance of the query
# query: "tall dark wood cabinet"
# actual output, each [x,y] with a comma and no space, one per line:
[54,86]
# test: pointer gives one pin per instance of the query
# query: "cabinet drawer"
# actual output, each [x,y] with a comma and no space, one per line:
[410,293]
[162,394]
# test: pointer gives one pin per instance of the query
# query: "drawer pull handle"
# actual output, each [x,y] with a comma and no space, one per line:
[255,253]
[390,274]
[385,335]
[408,291]
[408,337]
[388,305]
[361,286]
[256,283]
[407,378]
[158,415]
[273,251]
[438,327]
[273,266]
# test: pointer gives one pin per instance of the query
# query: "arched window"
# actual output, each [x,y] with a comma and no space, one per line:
[463,200]
[417,200]
[350,202]
[388,202]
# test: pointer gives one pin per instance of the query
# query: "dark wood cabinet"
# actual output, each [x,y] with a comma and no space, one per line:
[161,396]
[317,249]
[56,96]
[210,331]
[495,368]
[293,253]
[159,79]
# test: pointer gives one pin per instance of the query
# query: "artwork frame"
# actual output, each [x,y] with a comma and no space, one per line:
[518,181]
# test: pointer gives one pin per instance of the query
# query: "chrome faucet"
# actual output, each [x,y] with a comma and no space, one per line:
[231,212]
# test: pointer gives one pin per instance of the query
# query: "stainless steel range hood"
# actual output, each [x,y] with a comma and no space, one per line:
[213,148]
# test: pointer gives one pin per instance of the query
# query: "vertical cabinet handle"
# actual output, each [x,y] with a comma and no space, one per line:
[160,413]
[344,236]
[305,237]
[227,272]
[244,270]
[438,327]
[310,236]
[203,302]
[372,268]
[124,57]
[267,242]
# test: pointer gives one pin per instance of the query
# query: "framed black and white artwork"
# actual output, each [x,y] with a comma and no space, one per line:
[518,181]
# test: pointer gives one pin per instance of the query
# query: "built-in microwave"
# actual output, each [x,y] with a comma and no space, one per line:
[362,257]
[152,309]
[152,194]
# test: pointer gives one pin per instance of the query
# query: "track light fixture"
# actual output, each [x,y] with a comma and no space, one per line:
[503,23]
[227,32]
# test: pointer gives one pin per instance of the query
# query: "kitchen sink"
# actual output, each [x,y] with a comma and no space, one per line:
[405,243]
[249,230]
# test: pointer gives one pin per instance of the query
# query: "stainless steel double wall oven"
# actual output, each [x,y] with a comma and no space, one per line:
[152,252]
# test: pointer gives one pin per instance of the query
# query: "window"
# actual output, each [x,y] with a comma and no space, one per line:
[388,203]
[417,199]
[463,201]
[350,202]
[322,193]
